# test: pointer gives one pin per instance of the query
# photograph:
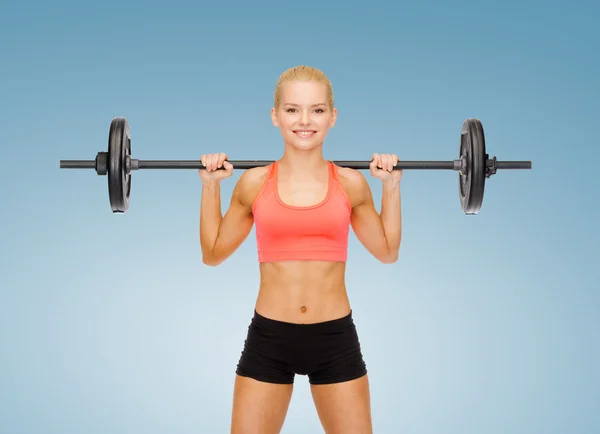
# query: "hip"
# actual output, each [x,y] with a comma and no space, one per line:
[328,352]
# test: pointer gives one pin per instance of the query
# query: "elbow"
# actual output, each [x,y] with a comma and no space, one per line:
[390,257]
[210,259]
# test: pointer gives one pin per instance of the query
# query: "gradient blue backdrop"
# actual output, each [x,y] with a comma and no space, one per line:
[486,324]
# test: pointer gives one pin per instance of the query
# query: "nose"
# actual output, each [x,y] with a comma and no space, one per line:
[304,118]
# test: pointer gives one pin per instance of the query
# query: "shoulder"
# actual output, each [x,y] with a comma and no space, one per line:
[250,183]
[253,177]
[354,184]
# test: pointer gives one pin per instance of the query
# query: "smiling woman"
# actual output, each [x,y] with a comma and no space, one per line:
[303,207]
[308,94]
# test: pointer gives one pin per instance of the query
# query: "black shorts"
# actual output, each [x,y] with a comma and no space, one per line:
[275,351]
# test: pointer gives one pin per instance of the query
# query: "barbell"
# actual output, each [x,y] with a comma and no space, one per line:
[474,165]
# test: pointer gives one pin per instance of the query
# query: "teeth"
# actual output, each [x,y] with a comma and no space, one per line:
[304,133]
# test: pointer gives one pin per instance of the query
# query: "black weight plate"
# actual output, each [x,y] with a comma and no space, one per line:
[471,183]
[119,177]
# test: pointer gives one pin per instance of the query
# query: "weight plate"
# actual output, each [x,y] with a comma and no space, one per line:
[119,177]
[471,181]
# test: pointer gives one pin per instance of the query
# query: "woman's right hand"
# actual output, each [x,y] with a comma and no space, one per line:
[213,162]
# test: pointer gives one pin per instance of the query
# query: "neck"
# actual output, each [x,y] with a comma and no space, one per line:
[298,160]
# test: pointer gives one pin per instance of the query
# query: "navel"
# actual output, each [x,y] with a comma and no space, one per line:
[303,309]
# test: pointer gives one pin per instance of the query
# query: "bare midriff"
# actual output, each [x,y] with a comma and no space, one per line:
[303,292]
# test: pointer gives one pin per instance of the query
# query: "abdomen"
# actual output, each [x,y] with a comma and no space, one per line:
[303,291]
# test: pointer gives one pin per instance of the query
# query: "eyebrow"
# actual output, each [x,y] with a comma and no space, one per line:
[289,104]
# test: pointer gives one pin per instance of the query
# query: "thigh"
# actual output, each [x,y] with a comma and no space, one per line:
[259,407]
[345,407]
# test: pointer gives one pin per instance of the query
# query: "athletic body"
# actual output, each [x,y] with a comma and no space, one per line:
[303,207]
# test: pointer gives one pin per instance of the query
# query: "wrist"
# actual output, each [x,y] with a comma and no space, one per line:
[391,184]
[211,189]
[211,184]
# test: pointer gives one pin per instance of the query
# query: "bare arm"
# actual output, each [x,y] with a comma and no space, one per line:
[220,236]
[379,233]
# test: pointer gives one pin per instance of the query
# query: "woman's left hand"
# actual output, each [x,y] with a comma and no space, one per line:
[382,167]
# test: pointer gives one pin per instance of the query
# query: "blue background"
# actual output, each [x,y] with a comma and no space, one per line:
[486,324]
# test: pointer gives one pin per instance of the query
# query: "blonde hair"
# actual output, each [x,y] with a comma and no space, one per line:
[305,73]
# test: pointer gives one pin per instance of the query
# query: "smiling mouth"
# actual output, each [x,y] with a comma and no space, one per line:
[305,133]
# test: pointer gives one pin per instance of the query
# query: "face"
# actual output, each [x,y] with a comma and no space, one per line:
[304,116]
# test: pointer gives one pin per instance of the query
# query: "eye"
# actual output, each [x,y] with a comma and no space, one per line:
[291,110]
[320,110]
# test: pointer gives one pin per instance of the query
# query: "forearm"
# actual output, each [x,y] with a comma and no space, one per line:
[210,217]
[391,216]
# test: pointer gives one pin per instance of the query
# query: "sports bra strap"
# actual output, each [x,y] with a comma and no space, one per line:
[272,173]
[334,172]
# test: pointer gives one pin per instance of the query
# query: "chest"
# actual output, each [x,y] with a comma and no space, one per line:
[308,207]
[302,191]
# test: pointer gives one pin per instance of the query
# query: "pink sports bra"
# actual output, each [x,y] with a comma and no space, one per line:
[293,233]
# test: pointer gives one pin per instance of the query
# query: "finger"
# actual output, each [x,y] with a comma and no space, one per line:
[383,162]
[374,163]
[228,166]
[214,160]
[390,162]
[203,160]
[222,158]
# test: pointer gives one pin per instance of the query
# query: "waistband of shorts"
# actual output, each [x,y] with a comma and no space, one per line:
[332,324]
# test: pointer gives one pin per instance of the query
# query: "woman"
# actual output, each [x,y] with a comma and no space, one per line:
[303,206]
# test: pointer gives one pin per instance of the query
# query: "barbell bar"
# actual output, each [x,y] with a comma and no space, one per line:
[474,165]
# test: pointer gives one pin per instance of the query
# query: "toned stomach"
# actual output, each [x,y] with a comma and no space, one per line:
[303,292]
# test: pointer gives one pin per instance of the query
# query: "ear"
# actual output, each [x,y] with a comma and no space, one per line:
[334,114]
[274,117]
